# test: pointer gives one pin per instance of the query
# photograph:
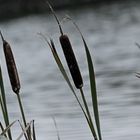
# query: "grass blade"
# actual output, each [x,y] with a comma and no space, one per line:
[63,71]
[24,131]
[88,113]
[138,45]
[58,136]
[92,80]
[2,129]
[7,128]
[3,104]
[58,61]
[34,134]
[1,126]
[93,89]
[61,67]
[2,107]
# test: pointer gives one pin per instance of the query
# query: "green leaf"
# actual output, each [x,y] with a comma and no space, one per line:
[22,127]
[24,130]
[2,129]
[4,104]
[8,127]
[61,67]
[34,133]
[63,71]
[92,81]
[55,124]
[93,88]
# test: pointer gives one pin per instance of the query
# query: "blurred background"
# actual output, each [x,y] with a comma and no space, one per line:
[111,29]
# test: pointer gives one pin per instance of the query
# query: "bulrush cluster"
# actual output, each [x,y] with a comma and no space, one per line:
[11,66]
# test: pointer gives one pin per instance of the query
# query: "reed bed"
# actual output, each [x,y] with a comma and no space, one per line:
[28,128]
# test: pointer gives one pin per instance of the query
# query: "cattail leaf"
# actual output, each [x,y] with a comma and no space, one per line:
[1,126]
[25,130]
[8,127]
[2,109]
[92,80]
[22,127]
[93,88]
[2,129]
[60,66]
[63,71]
[58,61]
[57,20]
[138,45]
[4,104]
[34,133]
[55,124]
[2,93]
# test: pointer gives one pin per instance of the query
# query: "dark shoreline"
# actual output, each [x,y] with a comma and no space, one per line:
[12,10]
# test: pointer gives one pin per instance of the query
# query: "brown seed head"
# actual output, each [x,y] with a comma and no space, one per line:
[71,61]
[11,66]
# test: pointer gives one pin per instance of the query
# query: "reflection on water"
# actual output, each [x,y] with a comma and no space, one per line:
[111,32]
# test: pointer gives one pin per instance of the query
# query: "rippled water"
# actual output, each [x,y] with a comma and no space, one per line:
[111,32]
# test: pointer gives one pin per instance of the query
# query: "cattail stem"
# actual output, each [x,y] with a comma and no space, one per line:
[21,109]
[23,115]
[2,36]
[33,128]
[88,113]
[57,20]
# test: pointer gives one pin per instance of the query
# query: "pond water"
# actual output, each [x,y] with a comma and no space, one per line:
[111,32]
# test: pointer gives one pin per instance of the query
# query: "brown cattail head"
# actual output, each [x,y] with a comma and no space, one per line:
[71,61]
[11,66]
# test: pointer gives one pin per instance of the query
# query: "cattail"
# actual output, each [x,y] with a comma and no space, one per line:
[69,55]
[11,66]
[71,61]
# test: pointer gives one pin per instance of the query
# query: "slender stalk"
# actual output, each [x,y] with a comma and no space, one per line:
[21,109]
[57,20]
[23,115]
[2,108]
[34,133]
[22,130]
[25,130]
[3,98]
[62,69]
[92,80]
[1,126]
[88,113]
